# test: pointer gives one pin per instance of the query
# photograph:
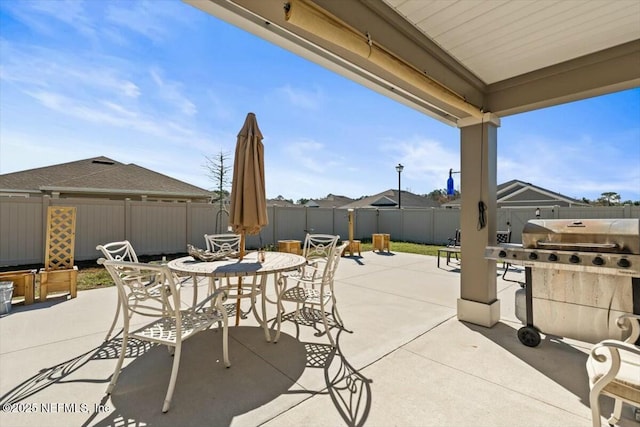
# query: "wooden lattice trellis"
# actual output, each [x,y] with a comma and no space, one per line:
[61,236]
[59,274]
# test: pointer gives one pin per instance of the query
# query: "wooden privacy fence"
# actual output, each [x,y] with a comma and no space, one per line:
[156,228]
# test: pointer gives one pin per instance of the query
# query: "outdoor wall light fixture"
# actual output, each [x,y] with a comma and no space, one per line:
[537,212]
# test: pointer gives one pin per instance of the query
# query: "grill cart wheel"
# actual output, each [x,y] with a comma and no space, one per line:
[529,336]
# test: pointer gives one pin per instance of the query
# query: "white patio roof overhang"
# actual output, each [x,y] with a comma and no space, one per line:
[466,63]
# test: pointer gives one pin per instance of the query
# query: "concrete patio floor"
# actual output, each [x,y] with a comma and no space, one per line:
[408,362]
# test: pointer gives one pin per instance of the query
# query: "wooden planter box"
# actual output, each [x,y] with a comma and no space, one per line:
[24,283]
[58,281]
[381,241]
[289,246]
[352,248]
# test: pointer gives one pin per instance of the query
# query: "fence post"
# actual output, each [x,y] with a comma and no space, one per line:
[46,202]
[275,224]
[189,221]
[127,219]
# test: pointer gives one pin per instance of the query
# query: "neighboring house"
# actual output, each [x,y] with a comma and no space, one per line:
[99,177]
[281,202]
[389,200]
[331,201]
[514,194]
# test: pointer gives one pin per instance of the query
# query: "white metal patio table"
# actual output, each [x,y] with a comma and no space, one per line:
[250,266]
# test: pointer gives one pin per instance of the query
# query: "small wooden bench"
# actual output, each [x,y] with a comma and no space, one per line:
[448,251]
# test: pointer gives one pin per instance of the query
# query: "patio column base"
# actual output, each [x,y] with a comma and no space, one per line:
[479,313]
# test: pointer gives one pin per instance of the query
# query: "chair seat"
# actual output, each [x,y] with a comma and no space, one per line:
[308,316]
[164,330]
[626,383]
[305,295]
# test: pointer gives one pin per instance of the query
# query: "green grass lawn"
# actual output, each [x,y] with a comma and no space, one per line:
[97,277]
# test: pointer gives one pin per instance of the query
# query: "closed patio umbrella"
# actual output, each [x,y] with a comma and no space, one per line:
[248,213]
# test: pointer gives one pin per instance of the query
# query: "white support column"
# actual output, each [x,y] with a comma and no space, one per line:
[478,301]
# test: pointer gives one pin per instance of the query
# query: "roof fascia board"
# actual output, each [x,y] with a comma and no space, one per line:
[599,73]
[509,187]
[77,190]
[553,196]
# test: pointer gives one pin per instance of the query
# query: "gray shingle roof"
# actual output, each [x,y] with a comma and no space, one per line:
[331,201]
[389,199]
[99,173]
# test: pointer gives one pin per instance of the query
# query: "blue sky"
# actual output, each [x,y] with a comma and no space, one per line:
[163,85]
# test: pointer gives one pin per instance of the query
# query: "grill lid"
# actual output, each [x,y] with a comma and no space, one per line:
[592,235]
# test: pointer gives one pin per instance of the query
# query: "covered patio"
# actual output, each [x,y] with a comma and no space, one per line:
[408,362]
[466,64]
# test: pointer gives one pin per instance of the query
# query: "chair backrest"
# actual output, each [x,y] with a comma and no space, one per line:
[334,261]
[503,237]
[319,246]
[145,289]
[222,242]
[119,251]
[455,241]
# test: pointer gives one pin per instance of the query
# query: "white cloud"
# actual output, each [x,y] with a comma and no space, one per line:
[37,15]
[426,162]
[172,92]
[302,98]
[312,156]
[576,168]
[147,18]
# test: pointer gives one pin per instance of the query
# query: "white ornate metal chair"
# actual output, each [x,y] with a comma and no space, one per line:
[313,293]
[222,242]
[316,248]
[119,251]
[151,291]
[226,243]
[614,370]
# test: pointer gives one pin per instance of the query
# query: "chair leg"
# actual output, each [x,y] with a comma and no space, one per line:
[116,373]
[280,306]
[115,320]
[617,412]
[595,408]
[326,324]
[225,346]
[174,376]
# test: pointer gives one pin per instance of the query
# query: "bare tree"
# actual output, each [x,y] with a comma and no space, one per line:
[218,170]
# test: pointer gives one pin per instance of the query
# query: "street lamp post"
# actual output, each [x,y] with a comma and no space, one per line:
[399,169]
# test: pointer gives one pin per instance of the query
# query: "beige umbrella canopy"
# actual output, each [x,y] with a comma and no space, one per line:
[248,201]
[248,212]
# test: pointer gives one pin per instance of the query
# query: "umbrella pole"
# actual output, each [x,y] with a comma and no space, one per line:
[242,243]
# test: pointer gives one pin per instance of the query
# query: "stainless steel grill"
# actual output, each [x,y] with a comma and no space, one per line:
[581,273]
[603,246]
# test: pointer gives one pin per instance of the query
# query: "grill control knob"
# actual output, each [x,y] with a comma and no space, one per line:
[502,254]
[533,256]
[574,259]
[598,260]
[624,263]
[553,257]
